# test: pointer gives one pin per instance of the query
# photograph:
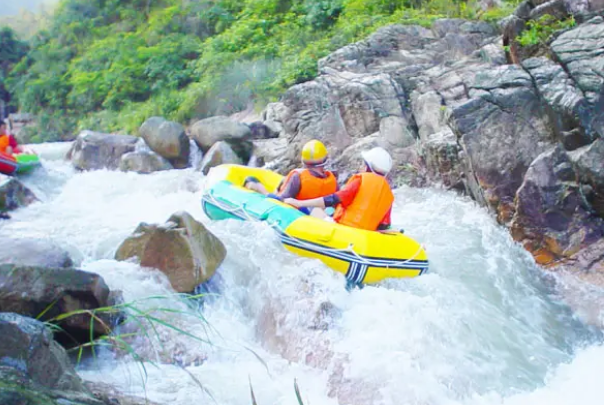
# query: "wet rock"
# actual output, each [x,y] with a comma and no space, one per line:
[182,248]
[589,164]
[95,151]
[428,111]
[28,346]
[220,153]
[210,131]
[34,252]
[168,139]
[50,292]
[552,217]
[34,369]
[501,132]
[144,162]
[13,194]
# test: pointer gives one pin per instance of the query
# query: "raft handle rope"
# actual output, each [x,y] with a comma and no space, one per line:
[322,249]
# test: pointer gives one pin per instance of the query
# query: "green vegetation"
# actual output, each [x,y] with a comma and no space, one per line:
[109,64]
[11,52]
[537,32]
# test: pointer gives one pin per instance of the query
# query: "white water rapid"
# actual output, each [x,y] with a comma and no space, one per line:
[484,327]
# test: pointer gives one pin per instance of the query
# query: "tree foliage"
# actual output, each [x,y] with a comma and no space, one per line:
[110,64]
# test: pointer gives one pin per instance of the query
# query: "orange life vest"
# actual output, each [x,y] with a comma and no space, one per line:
[312,186]
[370,205]
[4,142]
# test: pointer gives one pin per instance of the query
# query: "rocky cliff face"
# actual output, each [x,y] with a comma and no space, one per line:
[519,132]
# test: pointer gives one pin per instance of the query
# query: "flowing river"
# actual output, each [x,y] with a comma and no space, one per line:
[485,326]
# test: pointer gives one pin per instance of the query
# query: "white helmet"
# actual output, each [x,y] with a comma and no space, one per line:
[378,160]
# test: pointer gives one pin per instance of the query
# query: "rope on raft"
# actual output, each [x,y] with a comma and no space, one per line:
[350,249]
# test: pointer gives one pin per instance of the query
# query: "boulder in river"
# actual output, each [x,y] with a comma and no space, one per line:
[143,162]
[34,252]
[95,150]
[220,153]
[13,194]
[209,131]
[34,369]
[168,139]
[182,248]
[49,292]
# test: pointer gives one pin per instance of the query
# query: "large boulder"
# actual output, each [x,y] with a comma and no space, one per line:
[220,153]
[34,252]
[502,129]
[49,292]
[34,369]
[182,248]
[168,139]
[13,194]
[95,151]
[209,131]
[143,162]
[552,218]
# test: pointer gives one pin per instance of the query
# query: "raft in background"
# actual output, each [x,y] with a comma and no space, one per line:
[18,163]
[364,257]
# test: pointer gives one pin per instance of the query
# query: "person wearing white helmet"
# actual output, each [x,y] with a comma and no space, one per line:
[365,202]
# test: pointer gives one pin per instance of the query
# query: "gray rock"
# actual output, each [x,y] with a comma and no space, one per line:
[143,162]
[264,130]
[558,90]
[34,252]
[428,111]
[552,217]
[210,131]
[183,249]
[219,154]
[94,150]
[34,369]
[443,162]
[269,150]
[49,292]
[501,133]
[589,164]
[13,194]
[168,139]
[396,132]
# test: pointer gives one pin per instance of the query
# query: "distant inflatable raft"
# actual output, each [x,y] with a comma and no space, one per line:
[364,257]
[19,163]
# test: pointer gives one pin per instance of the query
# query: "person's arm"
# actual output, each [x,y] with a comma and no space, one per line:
[290,189]
[345,197]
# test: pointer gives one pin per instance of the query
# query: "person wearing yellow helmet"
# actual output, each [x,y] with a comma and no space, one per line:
[365,202]
[311,181]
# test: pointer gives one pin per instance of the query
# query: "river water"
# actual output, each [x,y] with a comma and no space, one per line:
[485,326]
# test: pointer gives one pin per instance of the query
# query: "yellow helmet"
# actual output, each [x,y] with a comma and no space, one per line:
[314,153]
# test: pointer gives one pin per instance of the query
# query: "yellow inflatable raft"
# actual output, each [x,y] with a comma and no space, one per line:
[364,257]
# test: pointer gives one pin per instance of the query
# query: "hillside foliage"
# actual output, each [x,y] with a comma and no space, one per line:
[109,64]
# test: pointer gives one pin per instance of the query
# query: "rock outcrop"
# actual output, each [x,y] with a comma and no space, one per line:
[523,139]
[168,139]
[34,252]
[49,292]
[13,194]
[94,150]
[182,248]
[34,369]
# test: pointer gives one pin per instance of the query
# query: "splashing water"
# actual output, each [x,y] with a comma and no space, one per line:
[484,327]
